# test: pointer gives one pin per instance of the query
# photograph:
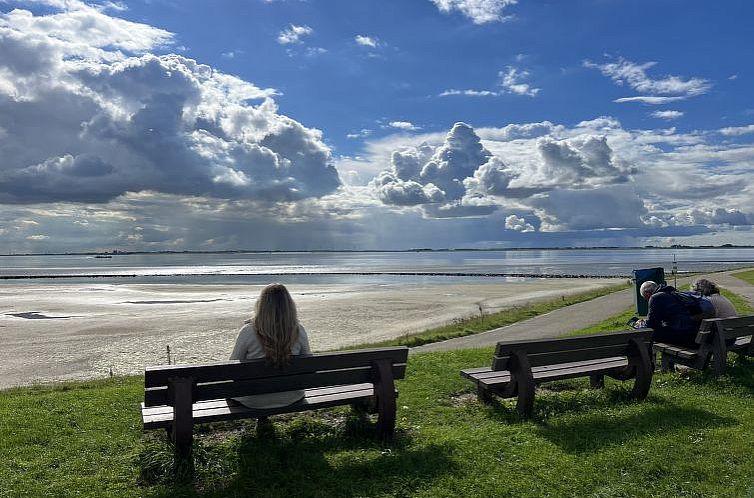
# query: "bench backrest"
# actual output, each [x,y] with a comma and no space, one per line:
[239,378]
[568,349]
[729,328]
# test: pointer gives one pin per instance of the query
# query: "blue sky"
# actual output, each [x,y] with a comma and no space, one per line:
[293,124]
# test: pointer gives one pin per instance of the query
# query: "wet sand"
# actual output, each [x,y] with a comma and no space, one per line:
[63,332]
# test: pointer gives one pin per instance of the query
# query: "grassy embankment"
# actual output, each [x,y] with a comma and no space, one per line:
[691,437]
[746,276]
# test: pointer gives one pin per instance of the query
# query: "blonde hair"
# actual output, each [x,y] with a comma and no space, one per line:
[276,323]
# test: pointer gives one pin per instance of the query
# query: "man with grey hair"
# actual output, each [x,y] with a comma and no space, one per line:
[668,316]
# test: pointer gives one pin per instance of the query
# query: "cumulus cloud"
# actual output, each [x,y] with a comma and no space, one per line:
[512,81]
[443,174]
[661,90]
[293,34]
[128,123]
[604,208]
[479,11]
[583,161]
[518,224]
[712,216]
[667,115]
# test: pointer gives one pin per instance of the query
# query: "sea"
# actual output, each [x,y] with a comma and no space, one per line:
[406,267]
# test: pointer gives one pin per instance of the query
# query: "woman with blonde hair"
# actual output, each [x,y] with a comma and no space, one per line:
[275,334]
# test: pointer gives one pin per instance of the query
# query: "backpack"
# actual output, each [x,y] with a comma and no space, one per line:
[699,307]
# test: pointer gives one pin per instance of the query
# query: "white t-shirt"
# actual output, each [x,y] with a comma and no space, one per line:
[249,347]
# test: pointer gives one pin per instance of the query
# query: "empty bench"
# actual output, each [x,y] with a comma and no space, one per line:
[518,367]
[177,397]
[716,337]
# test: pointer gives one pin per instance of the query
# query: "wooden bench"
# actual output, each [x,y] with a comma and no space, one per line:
[517,367]
[716,337]
[176,397]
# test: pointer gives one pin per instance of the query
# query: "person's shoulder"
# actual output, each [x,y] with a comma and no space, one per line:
[247,327]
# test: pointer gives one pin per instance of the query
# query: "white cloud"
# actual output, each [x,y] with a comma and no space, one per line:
[403,125]
[667,115]
[648,99]
[469,93]
[128,123]
[85,29]
[293,34]
[366,41]
[734,131]
[518,224]
[443,174]
[604,208]
[479,11]
[511,79]
[634,75]
[364,132]
[231,54]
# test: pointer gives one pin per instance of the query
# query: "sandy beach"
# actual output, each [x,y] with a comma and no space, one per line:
[60,332]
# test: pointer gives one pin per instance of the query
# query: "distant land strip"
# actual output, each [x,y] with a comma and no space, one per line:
[390,273]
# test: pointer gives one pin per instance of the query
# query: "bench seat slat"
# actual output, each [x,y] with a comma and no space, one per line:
[223,409]
[488,377]
[678,351]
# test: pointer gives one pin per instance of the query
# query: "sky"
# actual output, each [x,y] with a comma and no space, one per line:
[389,124]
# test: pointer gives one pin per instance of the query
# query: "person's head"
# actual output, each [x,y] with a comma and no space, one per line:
[648,288]
[276,323]
[705,287]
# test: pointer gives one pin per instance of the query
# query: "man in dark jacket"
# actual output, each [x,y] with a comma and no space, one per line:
[668,316]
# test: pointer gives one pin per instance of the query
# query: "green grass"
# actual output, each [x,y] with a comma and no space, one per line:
[746,276]
[692,437]
[483,322]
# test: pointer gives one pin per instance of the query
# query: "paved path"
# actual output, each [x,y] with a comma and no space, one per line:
[574,317]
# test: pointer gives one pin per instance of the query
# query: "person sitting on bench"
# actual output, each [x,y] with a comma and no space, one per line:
[723,307]
[667,316]
[273,333]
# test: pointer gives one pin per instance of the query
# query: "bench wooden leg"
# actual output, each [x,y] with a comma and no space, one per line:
[183,420]
[667,364]
[525,402]
[597,381]
[520,369]
[718,362]
[385,392]
[483,394]
[643,368]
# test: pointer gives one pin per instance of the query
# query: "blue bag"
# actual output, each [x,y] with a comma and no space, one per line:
[698,306]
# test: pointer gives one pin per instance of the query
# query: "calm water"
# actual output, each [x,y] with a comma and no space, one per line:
[378,267]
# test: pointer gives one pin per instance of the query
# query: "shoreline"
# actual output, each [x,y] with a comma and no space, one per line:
[83,331]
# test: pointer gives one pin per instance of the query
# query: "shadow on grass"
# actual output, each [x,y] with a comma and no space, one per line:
[309,457]
[594,431]
[739,373]
[564,397]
